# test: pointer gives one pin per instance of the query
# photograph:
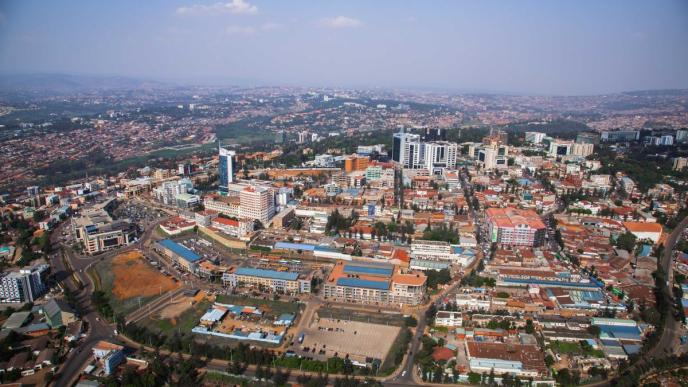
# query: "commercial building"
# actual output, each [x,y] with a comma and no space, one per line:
[355,163]
[276,281]
[560,148]
[374,284]
[406,149]
[424,250]
[257,203]
[445,318]
[680,163]
[535,137]
[515,359]
[439,155]
[225,168]
[620,136]
[228,205]
[25,285]
[489,156]
[233,227]
[645,230]
[179,254]
[587,138]
[109,355]
[511,226]
[98,233]
[169,191]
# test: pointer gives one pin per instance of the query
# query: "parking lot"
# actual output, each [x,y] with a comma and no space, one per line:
[325,338]
[138,213]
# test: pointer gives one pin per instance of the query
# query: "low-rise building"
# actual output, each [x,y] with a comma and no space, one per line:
[374,284]
[276,281]
[179,254]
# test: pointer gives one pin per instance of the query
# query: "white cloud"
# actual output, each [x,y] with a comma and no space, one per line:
[340,22]
[240,31]
[269,26]
[234,6]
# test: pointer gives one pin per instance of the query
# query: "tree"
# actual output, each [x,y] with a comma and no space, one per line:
[474,378]
[549,360]
[626,241]
[529,327]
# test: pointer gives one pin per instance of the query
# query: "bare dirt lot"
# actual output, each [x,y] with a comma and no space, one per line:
[133,277]
[359,340]
[180,305]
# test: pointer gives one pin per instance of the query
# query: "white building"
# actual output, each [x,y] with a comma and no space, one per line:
[25,285]
[439,155]
[534,137]
[448,319]
[257,203]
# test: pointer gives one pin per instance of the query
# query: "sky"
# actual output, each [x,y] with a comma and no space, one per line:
[523,47]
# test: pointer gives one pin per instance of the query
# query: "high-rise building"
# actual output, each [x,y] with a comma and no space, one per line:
[534,137]
[439,155]
[257,203]
[682,135]
[34,190]
[354,163]
[226,168]
[185,168]
[434,134]
[587,138]
[406,149]
[490,156]
[620,135]
[280,137]
[25,285]
[512,226]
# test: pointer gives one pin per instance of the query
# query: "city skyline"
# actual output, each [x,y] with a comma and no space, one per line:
[533,48]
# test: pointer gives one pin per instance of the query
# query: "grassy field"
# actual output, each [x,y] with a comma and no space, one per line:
[274,308]
[574,349]
[213,378]
[357,315]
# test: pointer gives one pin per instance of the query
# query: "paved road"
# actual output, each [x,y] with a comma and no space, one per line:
[670,335]
[408,378]
[98,328]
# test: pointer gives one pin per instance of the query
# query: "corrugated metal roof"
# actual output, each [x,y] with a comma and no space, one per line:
[273,274]
[369,270]
[179,250]
[360,283]
[294,246]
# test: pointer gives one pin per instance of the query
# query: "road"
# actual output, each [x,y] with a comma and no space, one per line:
[408,378]
[671,332]
[98,328]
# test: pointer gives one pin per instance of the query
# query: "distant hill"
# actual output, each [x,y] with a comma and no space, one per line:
[71,83]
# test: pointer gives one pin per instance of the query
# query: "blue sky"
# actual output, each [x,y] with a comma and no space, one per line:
[542,47]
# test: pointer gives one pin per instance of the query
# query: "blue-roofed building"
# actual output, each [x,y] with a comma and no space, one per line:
[377,271]
[361,283]
[294,246]
[277,281]
[183,256]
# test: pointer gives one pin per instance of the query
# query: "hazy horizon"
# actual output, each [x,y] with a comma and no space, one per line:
[527,48]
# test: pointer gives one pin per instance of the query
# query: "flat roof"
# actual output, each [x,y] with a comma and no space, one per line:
[272,274]
[294,246]
[180,250]
[384,271]
[361,283]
